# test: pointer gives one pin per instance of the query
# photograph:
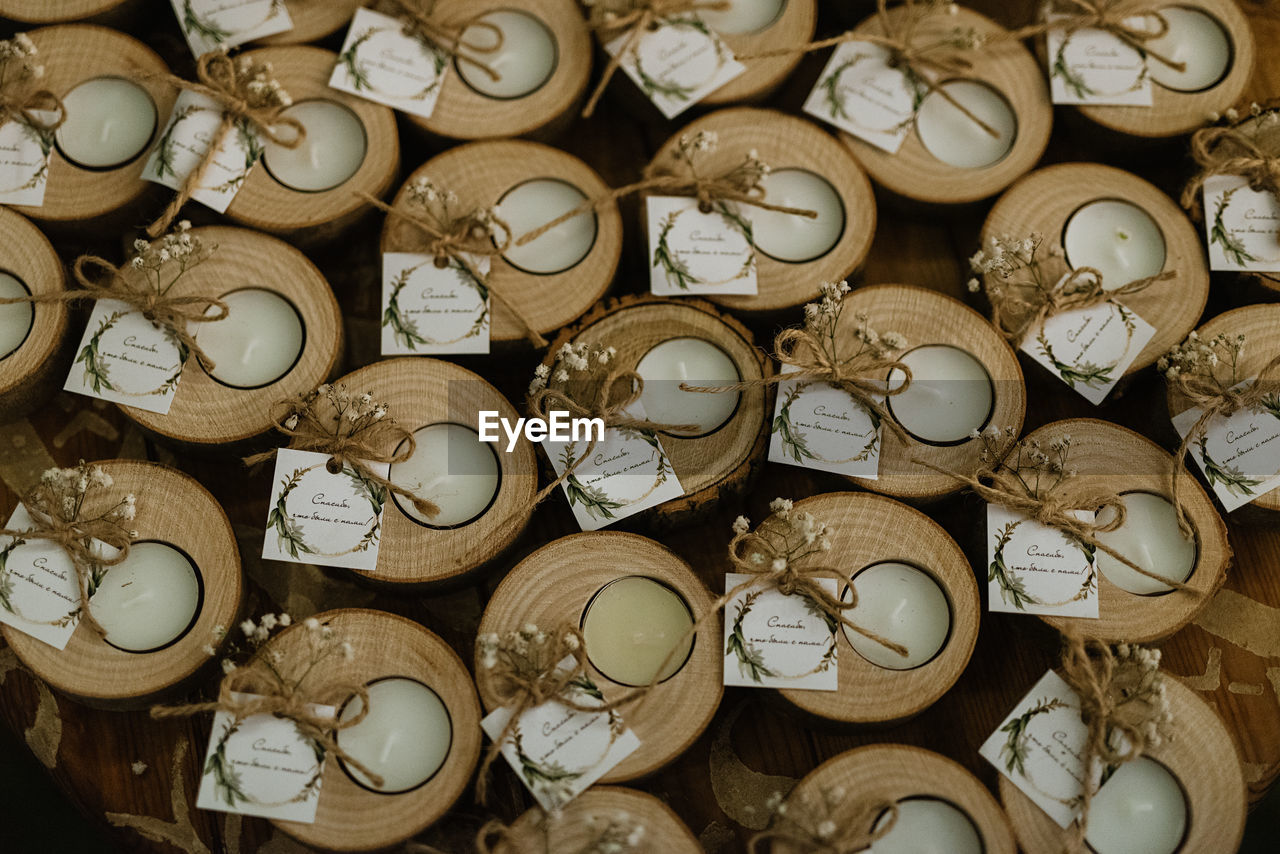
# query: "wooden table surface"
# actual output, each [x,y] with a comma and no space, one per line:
[754,746]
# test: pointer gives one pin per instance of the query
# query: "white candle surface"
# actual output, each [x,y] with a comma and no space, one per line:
[405,738]
[16,318]
[928,826]
[792,238]
[329,154]
[698,363]
[534,203]
[148,601]
[631,625]
[949,397]
[1150,538]
[1141,809]
[957,140]
[1116,238]
[257,343]
[743,16]
[109,122]
[902,604]
[1193,38]
[451,467]
[525,57]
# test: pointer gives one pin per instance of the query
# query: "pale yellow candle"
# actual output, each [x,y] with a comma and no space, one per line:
[631,626]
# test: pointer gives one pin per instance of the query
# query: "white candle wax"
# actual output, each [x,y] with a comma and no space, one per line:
[1140,810]
[16,318]
[631,627]
[954,138]
[792,238]
[743,16]
[148,601]
[525,57]
[534,203]
[698,363]
[257,343]
[904,605]
[949,397]
[329,154]
[404,739]
[109,122]
[1149,537]
[1193,38]
[1116,238]
[451,467]
[928,826]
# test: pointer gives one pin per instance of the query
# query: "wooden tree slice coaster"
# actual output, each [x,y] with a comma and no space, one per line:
[583,819]
[869,530]
[786,143]
[266,204]
[1113,459]
[926,317]
[313,20]
[206,412]
[481,173]
[350,816]
[419,392]
[711,467]
[794,25]
[1264,129]
[98,199]
[1006,67]
[174,509]
[895,773]
[1200,754]
[31,373]
[554,586]
[45,12]
[1045,201]
[463,112]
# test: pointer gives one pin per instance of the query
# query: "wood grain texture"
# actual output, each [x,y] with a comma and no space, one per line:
[793,26]
[554,585]
[580,821]
[32,373]
[45,12]
[313,20]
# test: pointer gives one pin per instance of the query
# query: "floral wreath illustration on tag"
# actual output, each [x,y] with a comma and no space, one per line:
[1229,238]
[1087,373]
[1076,83]
[193,23]
[6,590]
[836,105]
[408,333]
[359,73]
[796,446]
[248,138]
[675,90]
[41,173]
[289,535]
[97,374]
[1012,590]
[1014,751]
[751,660]
[229,786]
[677,271]
[595,500]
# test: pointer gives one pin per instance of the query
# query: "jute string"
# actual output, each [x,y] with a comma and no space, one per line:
[1231,151]
[1017,316]
[854,834]
[20,101]
[420,21]
[1111,16]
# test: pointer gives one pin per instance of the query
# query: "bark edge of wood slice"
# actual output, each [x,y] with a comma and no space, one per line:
[573,831]
[32,373]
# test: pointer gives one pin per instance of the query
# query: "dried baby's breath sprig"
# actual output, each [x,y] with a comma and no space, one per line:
[1246,146]
[823,820]
[19,99]
[1216,359]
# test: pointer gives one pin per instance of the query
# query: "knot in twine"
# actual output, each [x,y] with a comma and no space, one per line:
[1016,316]
[419,20]
[21,102]
[851,834]
[240,94]
[1111,16]
[1230,151]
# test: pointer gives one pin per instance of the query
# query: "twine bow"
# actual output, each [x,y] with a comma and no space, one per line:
[1017,316]
[419,19]
[1231,151]
[1112,16]
[853,834]
[21,102]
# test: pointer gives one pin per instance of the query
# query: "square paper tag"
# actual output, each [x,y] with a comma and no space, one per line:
[213,24]
[558,752]
[817,425]
[772,640]
[692,252]
[125,358]
[262,766]
[1034,568]
[323,518]
[678,63]
[860,93]
[24,163]
[1092,66]
[431,309]
[1242,225]
[184,142]
[1240,454]
[39,591]
[379,62]
[1089,349]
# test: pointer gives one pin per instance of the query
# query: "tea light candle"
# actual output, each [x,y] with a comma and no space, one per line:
[405,739]
[696,362]
[949,397]
[1116,238]
[451,467]
[1141,809]
[956,139]
[798,239]
[1149,537]
[257,343]
[928,826]
[1196,39]
[632,625]
[534,203]
[15,318]
[904,605]
[743,16]
[109,121]
[330,153]
[525,56]
[149,600]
